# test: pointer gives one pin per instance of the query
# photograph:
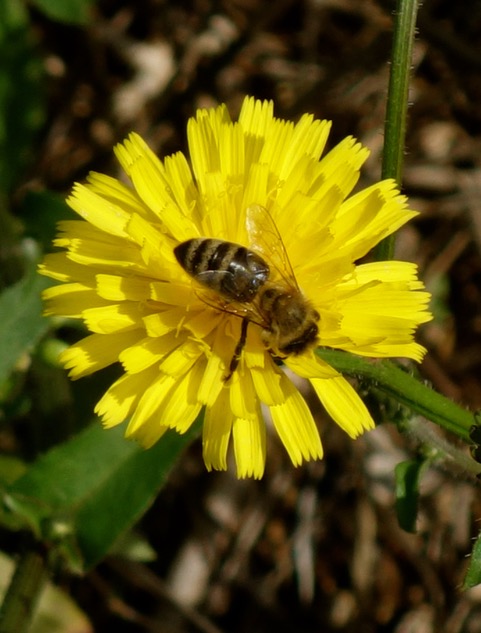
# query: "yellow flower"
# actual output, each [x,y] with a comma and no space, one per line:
[176,339]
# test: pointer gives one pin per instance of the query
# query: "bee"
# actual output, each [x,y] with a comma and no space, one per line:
[244,284]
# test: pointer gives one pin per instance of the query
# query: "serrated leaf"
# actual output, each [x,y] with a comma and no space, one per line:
[21,320]
[473,574]
[96,486]
[407,476]
[69,11]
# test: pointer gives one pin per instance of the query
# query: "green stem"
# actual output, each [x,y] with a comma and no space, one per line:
[437,449]
[397,104]
[21,597]
[406,389]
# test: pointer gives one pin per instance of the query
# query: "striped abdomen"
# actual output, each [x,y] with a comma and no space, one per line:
[232,270]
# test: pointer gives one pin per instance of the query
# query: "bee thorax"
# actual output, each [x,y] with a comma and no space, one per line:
[293,321]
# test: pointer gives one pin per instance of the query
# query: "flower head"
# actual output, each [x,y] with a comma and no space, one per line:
[185,335]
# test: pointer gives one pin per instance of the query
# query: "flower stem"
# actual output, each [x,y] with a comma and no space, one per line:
[406,389]
[25,587]
[437,449]
[397,104]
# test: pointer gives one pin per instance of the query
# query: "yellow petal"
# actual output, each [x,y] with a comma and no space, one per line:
[369,216]
[181,407]
[202,322]
[379,315]
[116,192]
[343,405]
[202,135]
[295,425]
[341,164]
[105,215]
[148,435]
[72,231]
[147,351]
[256,191]
[95,352]
[160,323]
[255,117]
[255,354]
[182,184]
[384,349]
[389,271]
[120,400]
[171,292]
[133,148]
[294,182]
[104,252]
[267,383]
[372,328]
[249,436]
[181,359]
[156,249]
[212,382]
[146,413]
[232,153]
[119,288]
[219,214]
[308,138]
[216,432]
[151,184]
[309,365]
[221,351]
[167,402]
[243,398]
[114,317]
[60,267]
[70,300]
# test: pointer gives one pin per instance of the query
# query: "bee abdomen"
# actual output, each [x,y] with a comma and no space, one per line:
[203,254]
[231,269]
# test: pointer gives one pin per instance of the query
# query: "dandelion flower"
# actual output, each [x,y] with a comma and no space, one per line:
[172,336]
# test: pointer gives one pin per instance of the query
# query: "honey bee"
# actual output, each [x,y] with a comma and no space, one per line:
[247,286]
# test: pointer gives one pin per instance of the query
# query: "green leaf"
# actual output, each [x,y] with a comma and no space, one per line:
[22,103]
[69,11]
[11,468]
[87,492]
[407,475]
[13,14]
[473,574]
[21,320]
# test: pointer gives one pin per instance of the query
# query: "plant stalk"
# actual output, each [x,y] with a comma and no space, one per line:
[397,105]
[23,592]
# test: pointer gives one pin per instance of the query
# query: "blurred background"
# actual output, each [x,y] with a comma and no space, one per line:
[308,550]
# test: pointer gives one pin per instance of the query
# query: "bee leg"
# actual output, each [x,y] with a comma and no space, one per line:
[238,349]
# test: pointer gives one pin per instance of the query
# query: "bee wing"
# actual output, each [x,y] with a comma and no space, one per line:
[242,310]
[265,239]
[215,278]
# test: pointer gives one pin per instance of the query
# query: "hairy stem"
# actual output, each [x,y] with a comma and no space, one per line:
[397,104]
